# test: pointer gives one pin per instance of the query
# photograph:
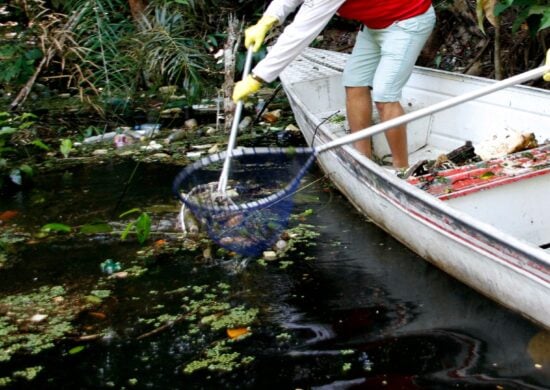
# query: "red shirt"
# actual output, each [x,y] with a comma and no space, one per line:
[378,14]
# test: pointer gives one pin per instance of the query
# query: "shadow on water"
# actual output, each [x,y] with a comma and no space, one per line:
[351,309]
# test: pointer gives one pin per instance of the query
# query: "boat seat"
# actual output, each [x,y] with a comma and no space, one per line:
[468,179]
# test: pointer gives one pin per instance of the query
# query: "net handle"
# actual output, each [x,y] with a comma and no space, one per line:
[411,116]
[222,183]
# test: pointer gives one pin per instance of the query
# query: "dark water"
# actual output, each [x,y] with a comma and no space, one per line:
[358,310]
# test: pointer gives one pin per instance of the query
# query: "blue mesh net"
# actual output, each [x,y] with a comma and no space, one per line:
[255,207]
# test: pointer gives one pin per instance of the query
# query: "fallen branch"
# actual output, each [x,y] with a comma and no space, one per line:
[50,52]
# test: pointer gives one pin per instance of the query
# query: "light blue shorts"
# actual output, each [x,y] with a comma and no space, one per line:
[384,59]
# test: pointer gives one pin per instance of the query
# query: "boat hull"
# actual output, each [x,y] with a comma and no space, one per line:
[498,265]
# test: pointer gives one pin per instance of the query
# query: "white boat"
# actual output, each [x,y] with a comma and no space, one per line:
[486,224]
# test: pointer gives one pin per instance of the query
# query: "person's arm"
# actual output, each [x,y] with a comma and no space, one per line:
[275,14]
[310,20]
[280,9]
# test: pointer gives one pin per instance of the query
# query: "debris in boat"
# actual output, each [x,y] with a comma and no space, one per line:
[474,176]
[510,141]
[424,167]
[462,154]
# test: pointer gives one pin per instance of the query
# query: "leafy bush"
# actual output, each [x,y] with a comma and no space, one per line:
[17,63]
[536,13]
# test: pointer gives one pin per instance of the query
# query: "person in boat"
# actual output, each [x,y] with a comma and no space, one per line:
[387,46]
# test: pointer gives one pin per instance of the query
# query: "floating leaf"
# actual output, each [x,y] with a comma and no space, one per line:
[143,227]
[98,315]
[237,332]
[7,130]
[66,147]
[126,231]
[93,299]
[101,293]
[55,227]
[40,144]
[7,215]
[26,169]
[160,243]
[77,349]
[95,228]
[124,214]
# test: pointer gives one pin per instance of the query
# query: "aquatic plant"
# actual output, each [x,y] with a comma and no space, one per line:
[16,132]
[141,226]
[218,358]
[66,147]
[32,322]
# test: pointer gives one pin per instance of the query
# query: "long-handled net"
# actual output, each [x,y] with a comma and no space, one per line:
[247,213]
[255,205]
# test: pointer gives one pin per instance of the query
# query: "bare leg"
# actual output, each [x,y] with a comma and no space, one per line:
[359,112]
[397,136]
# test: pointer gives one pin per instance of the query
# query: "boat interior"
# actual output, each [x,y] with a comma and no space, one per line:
[508,189]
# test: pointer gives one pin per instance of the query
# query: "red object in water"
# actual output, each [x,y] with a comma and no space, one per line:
[5,216]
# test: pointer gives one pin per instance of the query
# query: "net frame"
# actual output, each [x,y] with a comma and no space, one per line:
[275,207]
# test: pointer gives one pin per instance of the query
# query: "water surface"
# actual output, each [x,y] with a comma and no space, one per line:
[351,309]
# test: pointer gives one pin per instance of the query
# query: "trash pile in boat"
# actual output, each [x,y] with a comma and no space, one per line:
[499,160]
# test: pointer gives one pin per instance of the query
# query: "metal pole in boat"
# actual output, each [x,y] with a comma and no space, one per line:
[411,116]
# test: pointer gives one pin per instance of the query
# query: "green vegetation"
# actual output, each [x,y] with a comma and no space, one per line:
[141,226]
[33,322]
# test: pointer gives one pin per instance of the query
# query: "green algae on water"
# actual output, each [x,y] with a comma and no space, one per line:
[32,322]
[218,358]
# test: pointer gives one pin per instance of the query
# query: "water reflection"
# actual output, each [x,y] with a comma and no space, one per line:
[415,326]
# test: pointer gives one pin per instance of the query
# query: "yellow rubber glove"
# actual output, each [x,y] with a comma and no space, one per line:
[245,87]
[546,76]
[255,35]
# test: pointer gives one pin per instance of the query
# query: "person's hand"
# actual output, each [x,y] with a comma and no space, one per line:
[245,88]
[546,76]
[254,36]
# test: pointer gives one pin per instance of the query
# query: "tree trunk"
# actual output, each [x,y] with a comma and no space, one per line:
[497,58]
